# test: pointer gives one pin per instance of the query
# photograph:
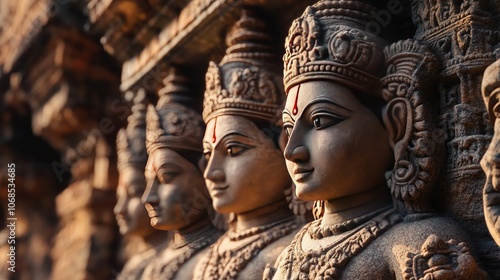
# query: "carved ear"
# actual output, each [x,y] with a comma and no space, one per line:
[398,123]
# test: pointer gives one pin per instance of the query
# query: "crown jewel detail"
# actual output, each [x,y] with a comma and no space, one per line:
[330,41]
[171,124]
[246,82]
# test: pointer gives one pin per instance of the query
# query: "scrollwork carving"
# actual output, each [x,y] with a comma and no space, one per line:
[409,66]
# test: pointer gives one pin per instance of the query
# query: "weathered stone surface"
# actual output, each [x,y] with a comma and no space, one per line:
[57,75]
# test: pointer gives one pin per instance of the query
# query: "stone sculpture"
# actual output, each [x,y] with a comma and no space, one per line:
[132,218]
[176,197]
[360,140]
[490,162]
[245,170]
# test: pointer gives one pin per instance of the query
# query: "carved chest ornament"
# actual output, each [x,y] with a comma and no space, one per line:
[194,245]
[228,264]
[328,263]
[247,81]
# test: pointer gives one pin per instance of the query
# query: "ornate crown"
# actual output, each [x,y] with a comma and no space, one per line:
[490,89]
[130,142]
[246,82]
[332,41]
[171,124]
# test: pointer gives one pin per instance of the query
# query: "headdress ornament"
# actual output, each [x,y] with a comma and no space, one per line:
[410,68]
[130,142]
[246,82]
[332,41]
[171,124]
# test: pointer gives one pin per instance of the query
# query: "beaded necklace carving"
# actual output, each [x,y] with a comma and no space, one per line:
[227,265]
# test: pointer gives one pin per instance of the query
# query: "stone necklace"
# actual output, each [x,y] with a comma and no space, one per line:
[190,246]
[227,265]
[318,231]
[328,263]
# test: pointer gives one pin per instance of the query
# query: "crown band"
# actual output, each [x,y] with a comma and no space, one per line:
[328,42]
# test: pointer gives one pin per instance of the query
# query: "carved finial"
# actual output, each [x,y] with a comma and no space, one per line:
[176,89]
[130,142]
[330,42]
[171,124]
[246,82]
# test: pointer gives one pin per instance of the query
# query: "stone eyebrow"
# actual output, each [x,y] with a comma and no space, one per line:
[324,99]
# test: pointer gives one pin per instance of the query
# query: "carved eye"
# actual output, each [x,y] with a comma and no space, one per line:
[317,122]
[323,120]
[288,129]
[166,177]
[234,150]
[206,154]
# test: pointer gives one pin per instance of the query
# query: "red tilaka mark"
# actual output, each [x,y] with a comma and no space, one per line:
[214,138]
[295,109]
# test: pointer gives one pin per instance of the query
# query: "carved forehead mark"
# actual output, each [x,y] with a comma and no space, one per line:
[214,136]
[295,109]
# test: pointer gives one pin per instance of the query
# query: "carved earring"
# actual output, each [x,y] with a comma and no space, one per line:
[417,153]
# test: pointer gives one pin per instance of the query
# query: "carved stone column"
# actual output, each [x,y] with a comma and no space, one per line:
[35,188]
[71,87]
[465,37]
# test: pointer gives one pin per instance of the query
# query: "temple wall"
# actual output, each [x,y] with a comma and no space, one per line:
[65,67]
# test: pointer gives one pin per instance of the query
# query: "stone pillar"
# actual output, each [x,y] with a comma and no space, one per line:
[465,37]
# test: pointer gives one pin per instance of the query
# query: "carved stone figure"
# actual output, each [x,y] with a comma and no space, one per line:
[361,140]
[245,170]
[491,160]
[176,197]
[132,218]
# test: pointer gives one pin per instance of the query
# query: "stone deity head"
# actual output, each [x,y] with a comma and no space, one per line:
[245,169]
[130,213]
[491,159]
[354,114]
[176,195]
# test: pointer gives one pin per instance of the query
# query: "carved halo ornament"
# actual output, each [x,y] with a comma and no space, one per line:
[247,81]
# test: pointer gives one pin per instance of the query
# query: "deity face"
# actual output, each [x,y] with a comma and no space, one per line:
[245,170]
[491,159]
[175,195]
[130,213]
[337,147]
